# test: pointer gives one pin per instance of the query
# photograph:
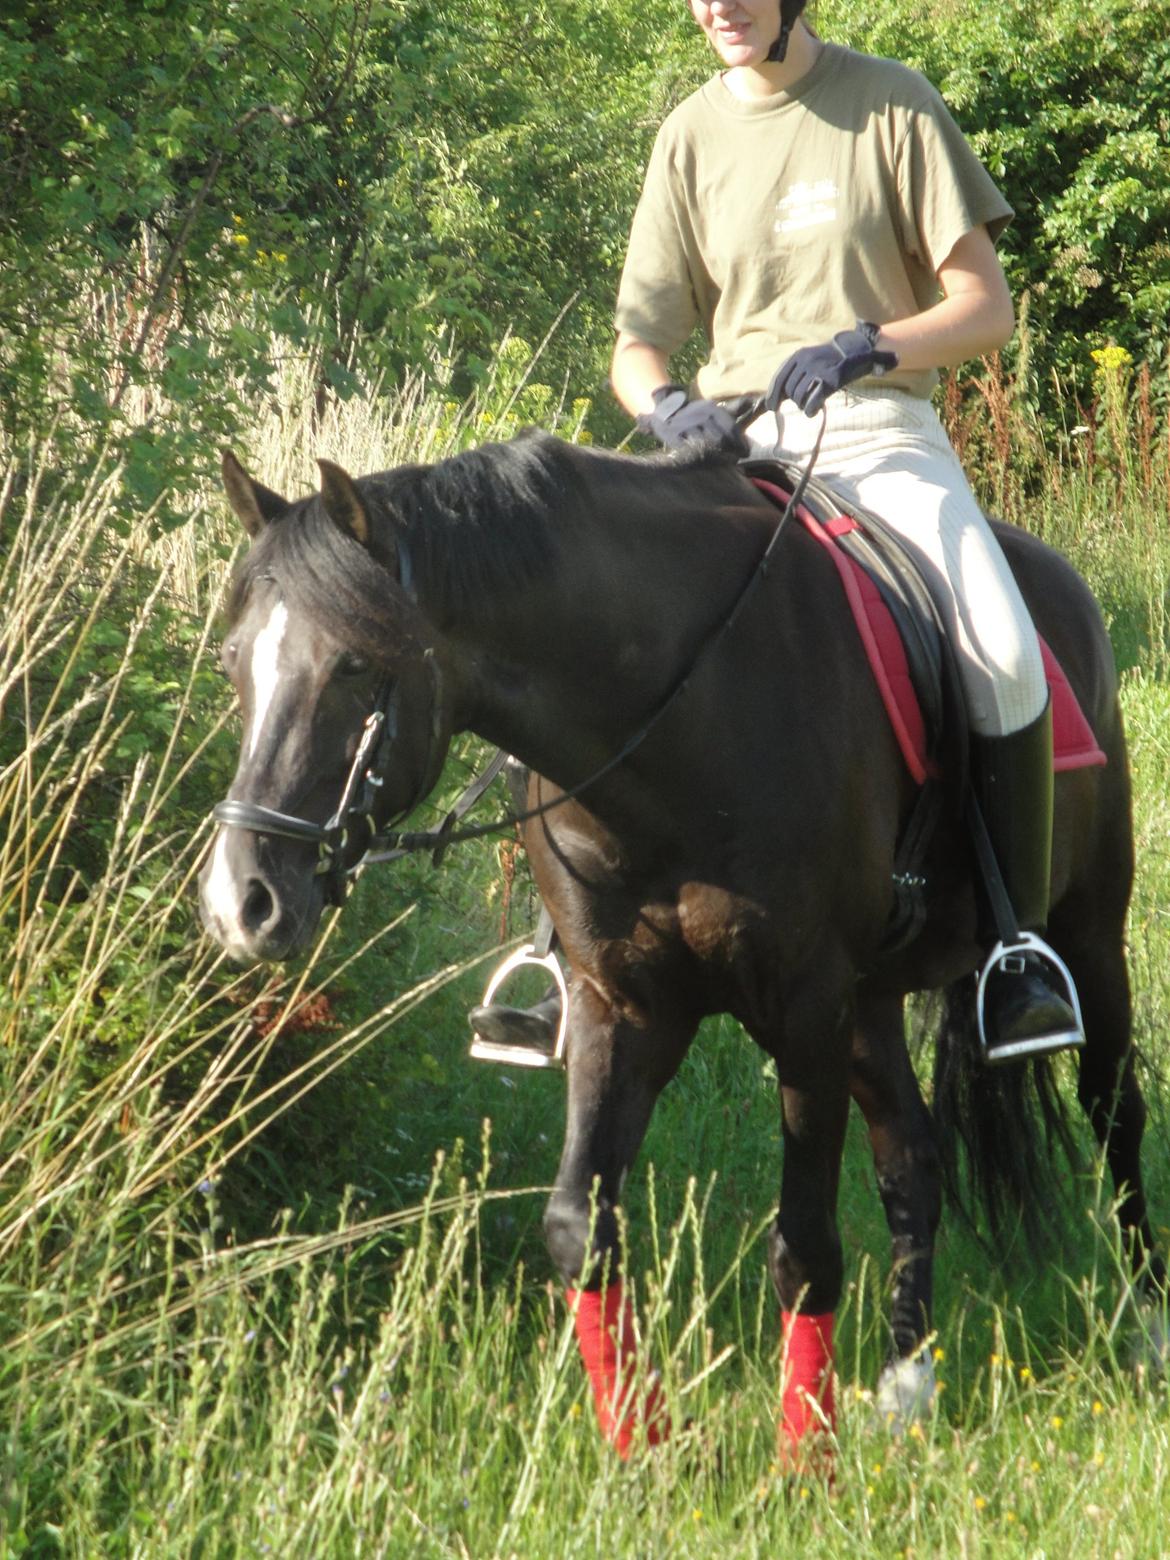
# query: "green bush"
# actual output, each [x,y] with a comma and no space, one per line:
[1067,104]
[383,187]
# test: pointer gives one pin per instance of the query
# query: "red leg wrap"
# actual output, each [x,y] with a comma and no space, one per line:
[605,1333]
[807,1378]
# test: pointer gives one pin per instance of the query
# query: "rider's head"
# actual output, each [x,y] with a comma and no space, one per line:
[748,32]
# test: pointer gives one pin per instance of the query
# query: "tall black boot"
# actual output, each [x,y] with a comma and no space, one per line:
[1029,1005]
[535,1026]
[527,1037]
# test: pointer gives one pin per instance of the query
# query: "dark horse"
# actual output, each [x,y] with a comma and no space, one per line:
[738,860]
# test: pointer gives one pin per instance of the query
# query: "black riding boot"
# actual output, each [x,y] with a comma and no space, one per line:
[530,1036]
[534,1027]
[1028,996]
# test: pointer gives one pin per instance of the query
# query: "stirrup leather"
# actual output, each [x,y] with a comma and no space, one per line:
[525,1055]
[1020,946]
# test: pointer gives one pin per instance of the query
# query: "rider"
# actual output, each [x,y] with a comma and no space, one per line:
[819,214]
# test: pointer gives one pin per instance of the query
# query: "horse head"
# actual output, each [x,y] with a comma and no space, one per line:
[340,695]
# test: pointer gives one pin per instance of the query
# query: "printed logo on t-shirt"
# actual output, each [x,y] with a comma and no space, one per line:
[807,205]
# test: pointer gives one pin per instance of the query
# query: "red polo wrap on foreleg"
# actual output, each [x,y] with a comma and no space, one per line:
[807,1376]
[604,1321]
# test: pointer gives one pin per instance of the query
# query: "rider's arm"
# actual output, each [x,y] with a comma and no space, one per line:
[974,315]
[638,369]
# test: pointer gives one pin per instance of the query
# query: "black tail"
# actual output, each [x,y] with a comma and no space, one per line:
[1009,1122]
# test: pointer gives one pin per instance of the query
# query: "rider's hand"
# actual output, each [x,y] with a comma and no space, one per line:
[677,421]
[812,374]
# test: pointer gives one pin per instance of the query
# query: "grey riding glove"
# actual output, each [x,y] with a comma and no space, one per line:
[812,374]
[677,421]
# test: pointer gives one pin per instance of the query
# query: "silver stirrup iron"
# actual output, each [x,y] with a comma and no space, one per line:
[1018,948]
[525,1055]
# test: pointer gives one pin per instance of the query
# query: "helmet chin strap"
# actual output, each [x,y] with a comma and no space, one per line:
[788,14]
[778,51]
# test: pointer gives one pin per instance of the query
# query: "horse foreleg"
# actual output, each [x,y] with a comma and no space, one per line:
[907,1167]
[616,1072]
[804,1247]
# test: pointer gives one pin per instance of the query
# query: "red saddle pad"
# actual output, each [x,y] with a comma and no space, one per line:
[1074,745]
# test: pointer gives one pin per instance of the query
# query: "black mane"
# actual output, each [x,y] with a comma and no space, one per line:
[479,523]
[483,521]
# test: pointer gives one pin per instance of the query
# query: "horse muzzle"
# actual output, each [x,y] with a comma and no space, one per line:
[253,913]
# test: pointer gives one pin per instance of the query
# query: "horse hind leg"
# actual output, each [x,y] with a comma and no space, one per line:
[906,1162]
[1107,1085]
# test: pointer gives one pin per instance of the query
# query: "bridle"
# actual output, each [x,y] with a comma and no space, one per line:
[355,816]
[352,829]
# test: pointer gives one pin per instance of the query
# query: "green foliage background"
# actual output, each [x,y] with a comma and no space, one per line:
[395,181]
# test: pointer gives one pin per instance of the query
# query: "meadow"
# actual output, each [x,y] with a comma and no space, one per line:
[271,1273]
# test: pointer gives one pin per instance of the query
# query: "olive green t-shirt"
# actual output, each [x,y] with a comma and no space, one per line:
[776,222]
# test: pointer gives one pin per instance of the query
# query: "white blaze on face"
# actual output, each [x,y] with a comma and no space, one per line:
[265,661]
[221,897]
[222,893]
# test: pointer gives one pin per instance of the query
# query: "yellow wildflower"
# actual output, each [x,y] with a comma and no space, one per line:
[1111,358]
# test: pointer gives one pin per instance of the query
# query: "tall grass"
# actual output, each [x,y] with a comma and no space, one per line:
[268,1284]
[1097,486]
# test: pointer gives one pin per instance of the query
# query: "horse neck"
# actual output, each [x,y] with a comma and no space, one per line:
[562,670]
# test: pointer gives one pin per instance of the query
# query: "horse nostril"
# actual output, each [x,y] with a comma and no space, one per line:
[258,907]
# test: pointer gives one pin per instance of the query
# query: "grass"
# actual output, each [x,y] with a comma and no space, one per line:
[271,1272]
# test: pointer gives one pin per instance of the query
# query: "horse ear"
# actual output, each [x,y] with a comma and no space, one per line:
[254,506]
[343,502]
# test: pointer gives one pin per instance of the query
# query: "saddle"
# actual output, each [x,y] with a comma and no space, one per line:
[915,669]
[904,637]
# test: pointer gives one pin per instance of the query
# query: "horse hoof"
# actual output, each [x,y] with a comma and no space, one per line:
[1148,1351]
[905,1393]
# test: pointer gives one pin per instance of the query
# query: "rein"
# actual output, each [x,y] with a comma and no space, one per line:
[358,804]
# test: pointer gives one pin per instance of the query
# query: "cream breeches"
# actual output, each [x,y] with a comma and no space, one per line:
[888,451]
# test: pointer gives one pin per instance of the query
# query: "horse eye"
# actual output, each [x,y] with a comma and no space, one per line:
[351,664]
